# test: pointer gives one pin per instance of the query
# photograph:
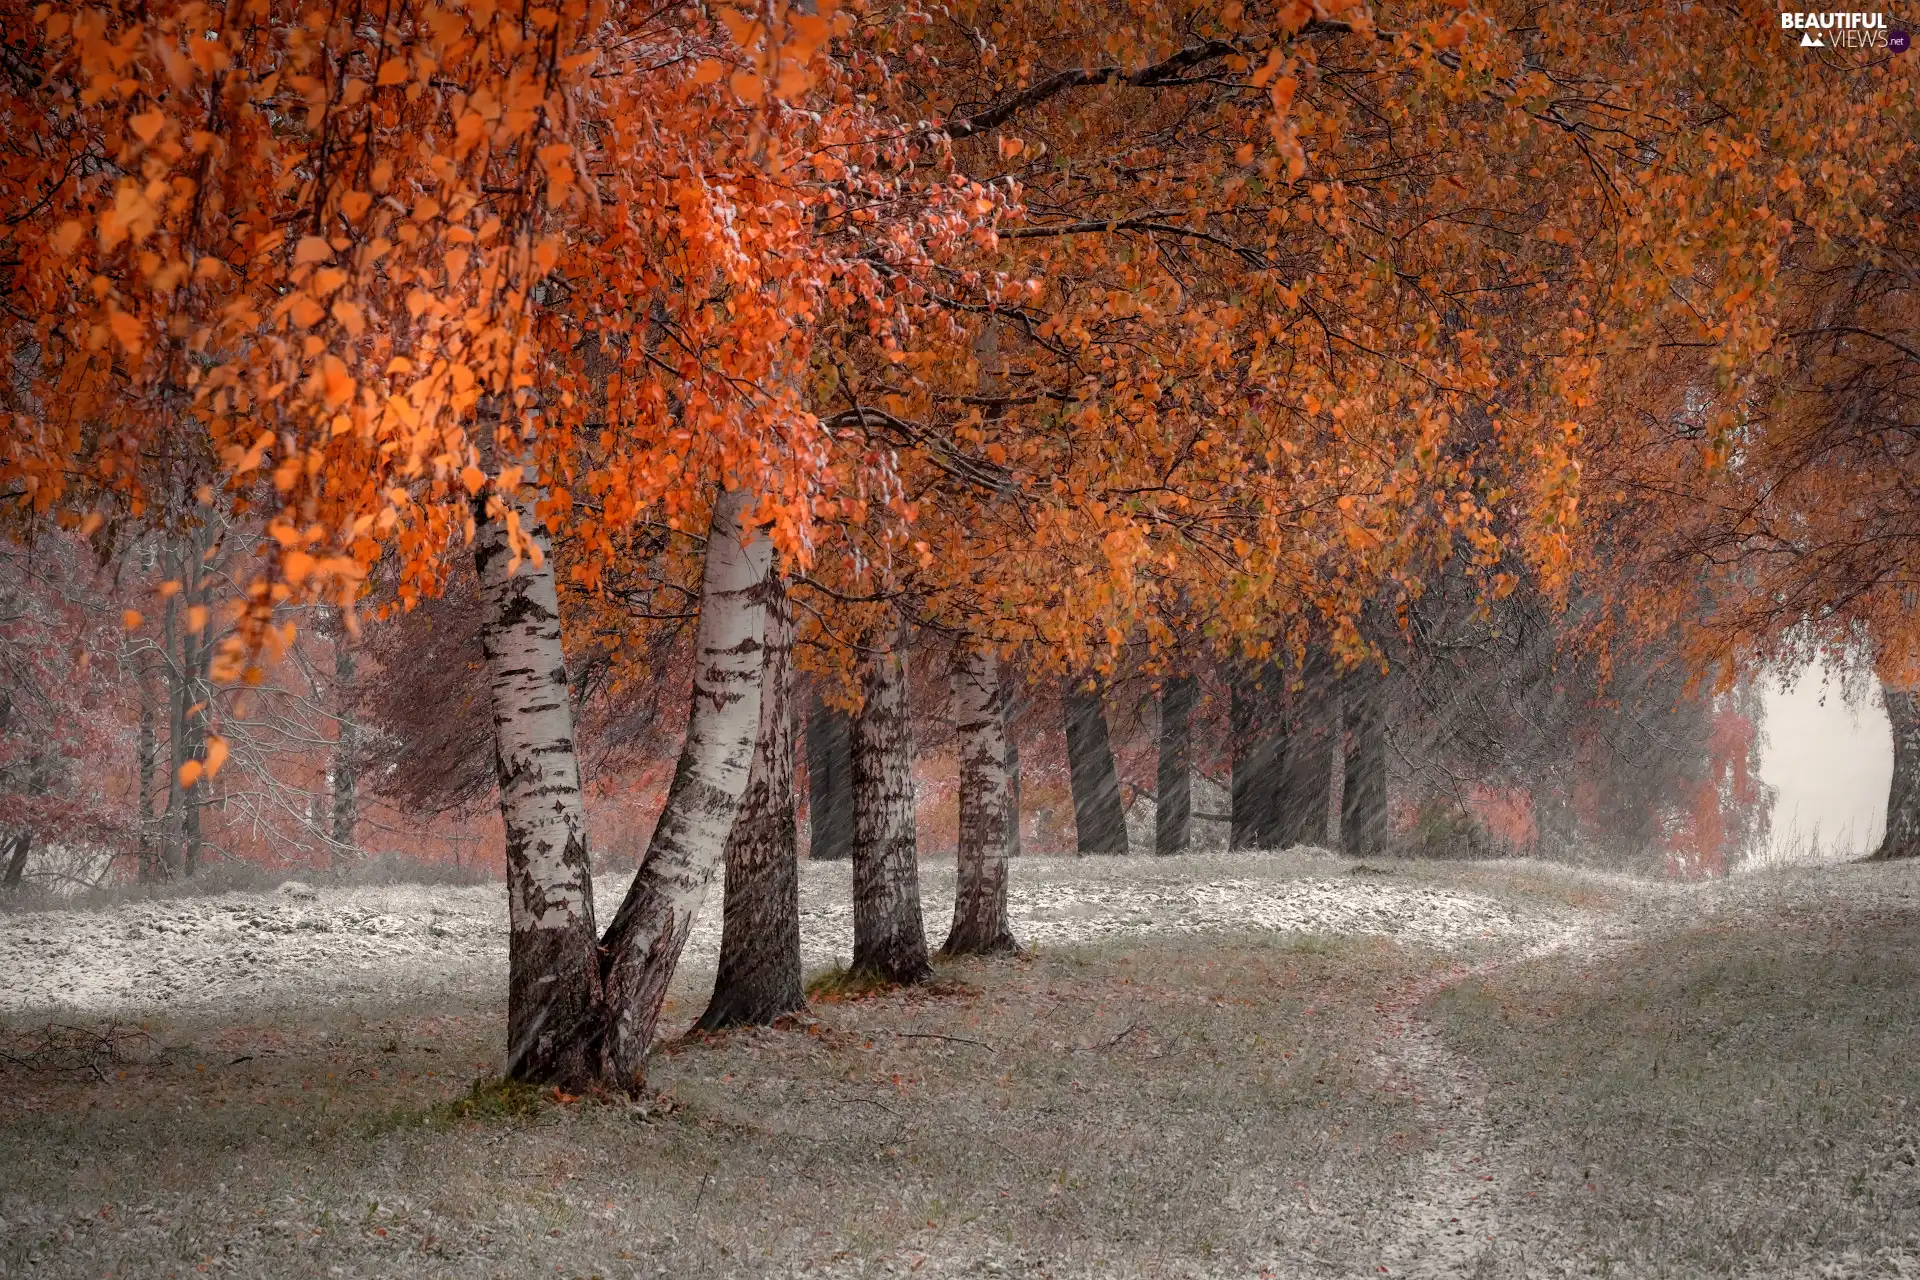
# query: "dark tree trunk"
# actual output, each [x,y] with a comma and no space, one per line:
[1099,819]
[1363,798]
[346,751]
[829,781]
[980,924]
[17,860]
[889,934]
[758,978]
[1902,838]
[1258,725]
[1306,791]
[1173,795]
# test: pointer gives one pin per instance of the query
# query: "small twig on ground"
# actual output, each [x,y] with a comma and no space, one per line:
[935,1035]
[1131,1028]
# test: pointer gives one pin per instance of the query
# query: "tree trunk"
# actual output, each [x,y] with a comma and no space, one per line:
[1173,799]
[176,675]
[643,944]
[17,860]
[1363,799]
[198,665]
[758,978]
[980,892]
[1902,838]
[201,691]
[1307,782]
[152,867]
[889,936]
[553,972]
[1015,705]
[829,781]
[346,752]
[1258,726]
[1099,819]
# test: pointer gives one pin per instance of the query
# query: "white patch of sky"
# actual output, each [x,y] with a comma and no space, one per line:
[1829,758]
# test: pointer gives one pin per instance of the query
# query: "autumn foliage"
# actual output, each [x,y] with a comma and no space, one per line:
[1271,342]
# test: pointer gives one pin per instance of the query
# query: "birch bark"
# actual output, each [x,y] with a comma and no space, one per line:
[980,894]
[889,933]
[553,972]
[758,978]
[643,943]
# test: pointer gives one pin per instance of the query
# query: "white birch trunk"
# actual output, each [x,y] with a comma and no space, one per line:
[980,893]
[889,934]
[553,971]
[643,944]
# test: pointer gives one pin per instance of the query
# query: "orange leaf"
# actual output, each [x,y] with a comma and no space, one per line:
[216,753]
[190,773]
[149,125]
[337,381]
[311,249]
[131,619]
[129,330]
[474,478]
[349,316]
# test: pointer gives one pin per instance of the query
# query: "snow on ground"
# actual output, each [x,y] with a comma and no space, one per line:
[304,943]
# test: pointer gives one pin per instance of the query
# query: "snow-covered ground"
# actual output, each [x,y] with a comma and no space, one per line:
[305,943]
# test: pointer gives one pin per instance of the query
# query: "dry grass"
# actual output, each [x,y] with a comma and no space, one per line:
[1164,1107]
[1739,1098]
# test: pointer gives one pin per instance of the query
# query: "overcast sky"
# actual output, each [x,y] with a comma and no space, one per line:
[1829,759]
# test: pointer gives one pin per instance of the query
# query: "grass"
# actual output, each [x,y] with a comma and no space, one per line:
[1164,1107]
[1740,1098]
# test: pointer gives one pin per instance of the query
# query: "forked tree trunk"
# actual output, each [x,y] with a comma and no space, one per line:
[1257,724]
[1902,838]
[980,892]
[1306,792]
[1099,819]
[1363,798]
[758,978]
[346,751]
[829,781]
[643,943]
[1173,796]
[553,969]
[889,935]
